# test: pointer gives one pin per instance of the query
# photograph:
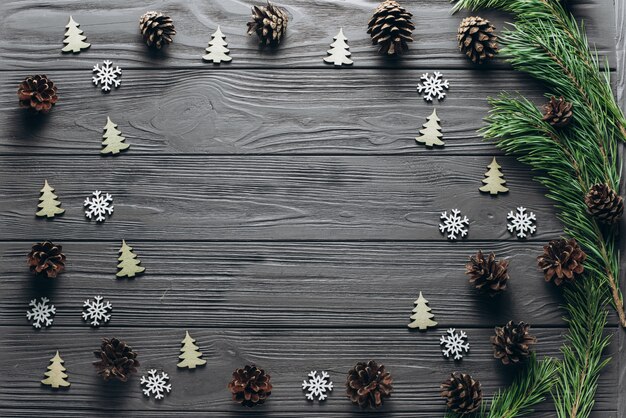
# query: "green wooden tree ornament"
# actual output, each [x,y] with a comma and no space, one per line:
[113,141]
[74,39]
[190,353]
[55,375]
[494,181]
[48,202]
[129,264]
[422,318]
[431,134]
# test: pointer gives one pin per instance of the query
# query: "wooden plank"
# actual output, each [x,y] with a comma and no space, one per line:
[414,359]
[262,198]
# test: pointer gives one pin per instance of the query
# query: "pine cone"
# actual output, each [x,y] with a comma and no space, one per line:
[157,29]
[250,386]
[117,360]
[46,259]
[604,203]
[562,260]
[38,93]
[488,275]
[463,393]
[390,28]
[512,342]
[477,40]
[270,24]
[368,384]
[558,112]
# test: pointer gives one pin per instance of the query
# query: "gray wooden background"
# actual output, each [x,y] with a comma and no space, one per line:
[282,209]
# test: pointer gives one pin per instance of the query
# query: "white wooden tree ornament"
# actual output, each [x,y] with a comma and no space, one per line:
[113,141]
[48,202]
[74,39]
[190,353]
[55,376]
[431,133]
[217,48]
[338,52]
[494,179]
[422,317]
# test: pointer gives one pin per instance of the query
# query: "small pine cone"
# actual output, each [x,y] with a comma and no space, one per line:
[38,93]
[269,23]
[604,203]
[157,29]
[391,28]
[116,360]
[477,39]
[558,112]
[250,386]
[368,384]
[512,342]
[488,275]
[46,259]
[463,393]
[562,260]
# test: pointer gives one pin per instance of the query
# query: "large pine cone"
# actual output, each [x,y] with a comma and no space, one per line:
[477,39]
[116,360]
[562,260]
[604,203]
[250,386]
[488,275]
[46,259]
[463,393]
[558,112]
[38,93]
[390,28]
[368,384]
[270,24]
[157,29]
[512,342]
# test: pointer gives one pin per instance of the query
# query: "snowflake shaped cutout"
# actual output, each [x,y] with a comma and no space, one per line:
[41,313]
[317,386]
[522,223]
[107,75]
[156,384]
[96,311]
[98,206]
[454,343]
[433,86]
[453,224]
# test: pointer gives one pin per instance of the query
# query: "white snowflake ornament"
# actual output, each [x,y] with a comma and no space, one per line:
[107,75]
[453,224]
[454,343]
[522,223]
[433,86]
[155,384]
[98,206]
[96,311]
[41,313]
[317,386]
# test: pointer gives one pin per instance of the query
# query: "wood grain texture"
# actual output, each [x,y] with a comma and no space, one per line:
[112,28]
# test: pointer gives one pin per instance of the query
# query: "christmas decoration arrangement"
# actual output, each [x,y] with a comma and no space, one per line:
[41,313]
[494,180]
[477,39]
[522,223]
[128,262]
[488,275]
[48,202]
[431,134]
[391,28]
[369,384]
[155,384]
[113,141]
[98,206]
[107,76]
[250,386]
[317,386]
[269,22]
[453,224]
[56,376]
[37,93]
[46,259]
[217,51]
[74,39]
[116,360]
[157,29]
[97,312]
[433,86]
[454,343]
[422,317]
[190,354]
[338,53]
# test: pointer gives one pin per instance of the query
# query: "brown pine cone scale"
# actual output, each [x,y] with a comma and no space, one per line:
[558,112]
[116,360]
[604,204]
[391,28]
[46,259]
[477,39]
[562,260]
[37,93]
[462,393]
[269,23]
[488,275]
[157,29]
[368,384]
[250,386]
[512,342]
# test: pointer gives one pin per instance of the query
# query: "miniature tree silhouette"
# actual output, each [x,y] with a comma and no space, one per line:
[55,375]
[190,355]
[74,39]
[338,52]
[217,48]
[129,264]
[422,318]
[48,203]
[494,181]
[431,134]
[113,140]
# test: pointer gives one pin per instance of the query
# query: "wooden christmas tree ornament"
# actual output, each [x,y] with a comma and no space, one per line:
[190,353]
[431,134]
[494,180]
[113,141]
[74,39]
[129,264]
[338,52]
[422,317]
[48,202]
[217,48]
[55,376]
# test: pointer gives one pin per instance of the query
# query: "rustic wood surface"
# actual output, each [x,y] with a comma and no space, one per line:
[281,207]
